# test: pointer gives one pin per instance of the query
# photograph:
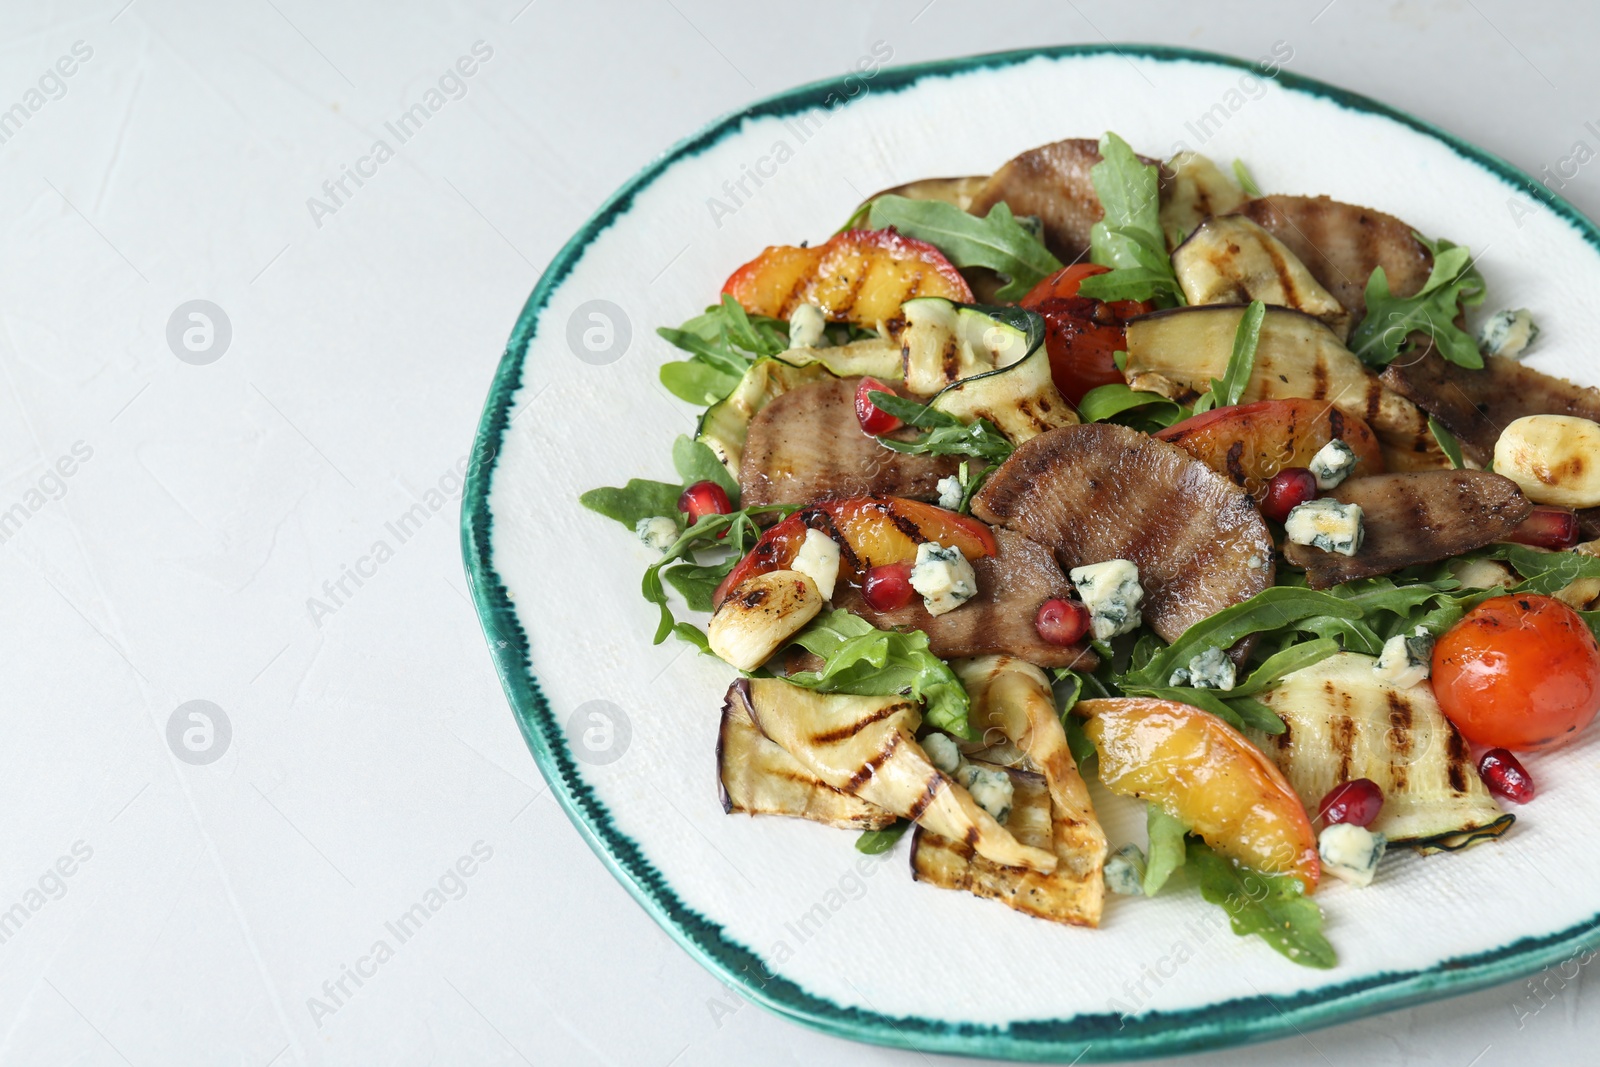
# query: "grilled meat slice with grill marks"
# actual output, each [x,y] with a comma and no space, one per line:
[808,445]
[1100,491]
[1416,517]
[1340,244]
[1011,586]
[1476,405]
[1052,183]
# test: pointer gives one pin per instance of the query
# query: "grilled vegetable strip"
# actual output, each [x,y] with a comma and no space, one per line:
[756,776]
[1231,260]
[865,746]
[1346,722]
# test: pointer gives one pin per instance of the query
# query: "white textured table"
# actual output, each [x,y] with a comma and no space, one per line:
[256,508]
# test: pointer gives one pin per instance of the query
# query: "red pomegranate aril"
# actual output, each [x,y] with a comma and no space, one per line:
[702,499]
[1505,776]
[888,588]
[874,420]
[1287,490]
[1061,622]
[1356,802]
[1548,526]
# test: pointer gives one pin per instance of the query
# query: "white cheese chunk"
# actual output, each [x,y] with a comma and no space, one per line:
[1332,464]
[992,789]
[657,531]
[1508,333]
[950,493]
[943,577]
[818,559]
[1326,524]
[807,327]
[1351,852]
[1124,871]
[1406,659]
[1211,669]
[1111,591]
[942,752]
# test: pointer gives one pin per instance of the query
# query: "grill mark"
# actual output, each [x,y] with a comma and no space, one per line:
[950,361]
[1374,397]
[1342,737]
[829,737]
[820,520]
[1319,379]
[868,769]
[929,791]
[1336,422]
[1234,464]
[1457,750]
[849,301]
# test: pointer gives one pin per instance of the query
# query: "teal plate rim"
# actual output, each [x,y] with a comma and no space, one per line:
[1087,1038]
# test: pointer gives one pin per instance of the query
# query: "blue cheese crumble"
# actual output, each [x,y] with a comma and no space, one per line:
[1508,333]
[657,531]
[1332,464]
[942,752]
[807,327]
[1211,669]
[1351,852]
[1124,871]
[943,577]
[950,493]
[1326,524]
[818,559]
[1111,591]
[992,789]
[1406,659]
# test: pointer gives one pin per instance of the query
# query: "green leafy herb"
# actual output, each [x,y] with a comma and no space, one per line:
[732,533]
[700,384]
[639,499]
[1129,238]
[1105,402]
[949,436]
[1247,182]
[697,463]
[1272,907]
[1241,362]
[1166,851]
[996,241]
[722,344]
[861,659]
[1447,442]
[1454,283]
[875,842]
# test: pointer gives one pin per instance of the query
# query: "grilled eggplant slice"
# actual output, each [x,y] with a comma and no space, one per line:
[756,776]
[957,191]
[1416,518]
[1052,183]
[1099,492]
[1231,260]
[1015,698]
[806,444]
[1063,896]
[1179,351]
[1200,190]
[1341,245]
[866,746]
[1012,584]
[1476,405]
[1345,722]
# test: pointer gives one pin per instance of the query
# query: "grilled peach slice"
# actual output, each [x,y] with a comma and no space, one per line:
[860,276]
[1249,443]
[871,531]
[1203,772]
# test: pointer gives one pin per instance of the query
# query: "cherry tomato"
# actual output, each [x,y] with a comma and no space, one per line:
[1065,282]
[1519,672]
[1082,335]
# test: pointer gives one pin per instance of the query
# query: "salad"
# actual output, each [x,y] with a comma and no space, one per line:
[1103,469]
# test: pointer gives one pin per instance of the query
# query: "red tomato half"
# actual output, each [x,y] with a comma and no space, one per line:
[1082,335]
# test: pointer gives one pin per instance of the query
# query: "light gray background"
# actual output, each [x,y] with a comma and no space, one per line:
[371,748]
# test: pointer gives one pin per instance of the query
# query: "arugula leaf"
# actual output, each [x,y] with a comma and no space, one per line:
[996,241]
[639,499]
[1273,668]
[1542,571]
[1241,362]
[949,437]
[861,659]
[1246,180]
[1166,852]
[1129,238]
[722,343]
[698,584]
[733,533]
[1107,401]
[700,384]
[876,842]
[1272,907]
[1453,283]
[1447,442]
[697,463]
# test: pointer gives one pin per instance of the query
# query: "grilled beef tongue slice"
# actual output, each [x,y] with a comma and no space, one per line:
[1100,491]
[1341,244]
[807,445]
[1417,517]
[1476,405]
[1011,586]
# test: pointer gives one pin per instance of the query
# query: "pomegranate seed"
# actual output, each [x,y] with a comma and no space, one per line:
[1061,622]
[1357,802]
[888,588]
[1547,527]
[702,499]
[1504,776]
[1288,489]
[874,420]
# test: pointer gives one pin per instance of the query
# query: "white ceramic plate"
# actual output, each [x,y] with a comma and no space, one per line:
[789,912]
